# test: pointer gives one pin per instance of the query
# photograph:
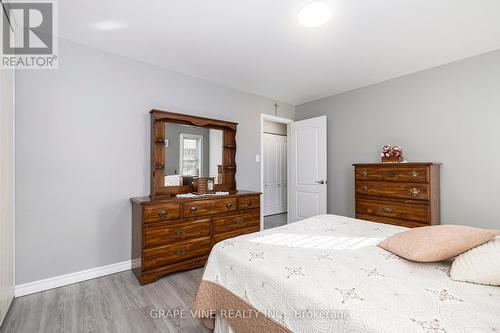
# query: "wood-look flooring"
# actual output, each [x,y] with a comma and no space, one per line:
[114,303]
[273,221]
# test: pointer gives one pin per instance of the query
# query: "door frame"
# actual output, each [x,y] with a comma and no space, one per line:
[13,188]
[264,116]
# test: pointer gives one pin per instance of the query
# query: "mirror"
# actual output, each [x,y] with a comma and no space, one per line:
[192,151]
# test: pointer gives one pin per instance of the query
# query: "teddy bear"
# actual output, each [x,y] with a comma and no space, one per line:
[386,151]
[397,151]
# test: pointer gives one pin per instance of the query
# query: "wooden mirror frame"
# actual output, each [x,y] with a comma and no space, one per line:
[158,120]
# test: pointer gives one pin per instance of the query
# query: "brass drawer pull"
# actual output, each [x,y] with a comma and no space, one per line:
[229,205]
[238,222]
[180,232]
[364,173]
[388,209]
[364,188]
[414,173]
[181,252]
[192,209]
[249,203]
[162,213]
[414,191]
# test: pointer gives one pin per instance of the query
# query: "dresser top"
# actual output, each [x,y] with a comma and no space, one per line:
[397,164]
[148,200]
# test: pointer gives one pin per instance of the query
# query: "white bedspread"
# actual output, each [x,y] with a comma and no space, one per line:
[309,274]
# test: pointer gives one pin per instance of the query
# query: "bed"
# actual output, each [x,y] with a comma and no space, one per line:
[325,274]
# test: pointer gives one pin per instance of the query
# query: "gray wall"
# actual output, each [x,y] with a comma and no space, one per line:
[82,150]
[215,152]
[449,114]
[172,157]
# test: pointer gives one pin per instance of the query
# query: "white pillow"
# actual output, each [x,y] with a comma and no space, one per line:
[479,265]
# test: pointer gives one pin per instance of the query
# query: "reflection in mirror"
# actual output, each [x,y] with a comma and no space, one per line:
[191,152]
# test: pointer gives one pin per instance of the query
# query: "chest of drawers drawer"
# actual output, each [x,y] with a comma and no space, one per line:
[211,206]
[161,212]
[235,222]
[415,191]
[390,220]
[164,233]
[411,212]
[415,174]
[172,253]
[249,202]
[238,232]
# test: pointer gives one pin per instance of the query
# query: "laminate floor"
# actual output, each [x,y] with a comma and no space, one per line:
[114,303]
[273,221]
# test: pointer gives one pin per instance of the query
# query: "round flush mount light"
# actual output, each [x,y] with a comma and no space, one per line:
[315,14]
[108,25]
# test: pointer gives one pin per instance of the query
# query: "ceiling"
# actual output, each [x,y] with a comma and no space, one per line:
[258,46]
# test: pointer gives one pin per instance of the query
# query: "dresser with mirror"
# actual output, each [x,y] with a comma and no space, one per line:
[175,227]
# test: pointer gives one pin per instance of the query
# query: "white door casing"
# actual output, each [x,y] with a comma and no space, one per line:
[6,191]
[275,174]
[307,179]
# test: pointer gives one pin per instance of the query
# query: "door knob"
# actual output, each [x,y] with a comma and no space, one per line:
[320,182]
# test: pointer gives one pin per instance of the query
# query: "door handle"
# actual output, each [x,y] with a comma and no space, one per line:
[320,182]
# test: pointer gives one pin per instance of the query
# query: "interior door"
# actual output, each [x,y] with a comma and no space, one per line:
[6,191]
[275,174]
[307,166]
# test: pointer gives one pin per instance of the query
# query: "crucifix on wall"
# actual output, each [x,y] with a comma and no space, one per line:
[276,105]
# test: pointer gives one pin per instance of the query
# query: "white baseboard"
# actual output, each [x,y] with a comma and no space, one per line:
[64,280]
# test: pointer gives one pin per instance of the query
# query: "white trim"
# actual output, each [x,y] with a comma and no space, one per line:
[67,279]
[264,116]
[14,174]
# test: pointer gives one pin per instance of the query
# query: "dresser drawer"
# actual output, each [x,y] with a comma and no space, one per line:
[396,173]
[168,254]
[235,222]
[413,212]
[162,212]
[416,191]
[164,233]
[388,220]
[206,207]
[220,237]
[249,202]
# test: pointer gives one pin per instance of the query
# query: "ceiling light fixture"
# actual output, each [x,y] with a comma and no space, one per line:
[108,25]
[315,14]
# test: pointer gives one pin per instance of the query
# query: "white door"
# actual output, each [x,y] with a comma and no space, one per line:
[275,174]
[6,191]
[307,178]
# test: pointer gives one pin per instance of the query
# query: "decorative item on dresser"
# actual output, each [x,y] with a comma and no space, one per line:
[171,233]
[404,194]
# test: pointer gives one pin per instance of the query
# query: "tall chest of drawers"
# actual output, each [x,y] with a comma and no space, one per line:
[404,194]
[174,234]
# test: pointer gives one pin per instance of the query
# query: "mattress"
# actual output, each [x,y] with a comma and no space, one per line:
[325,274]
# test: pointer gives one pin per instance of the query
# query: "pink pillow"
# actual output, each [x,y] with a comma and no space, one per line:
[435,243]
